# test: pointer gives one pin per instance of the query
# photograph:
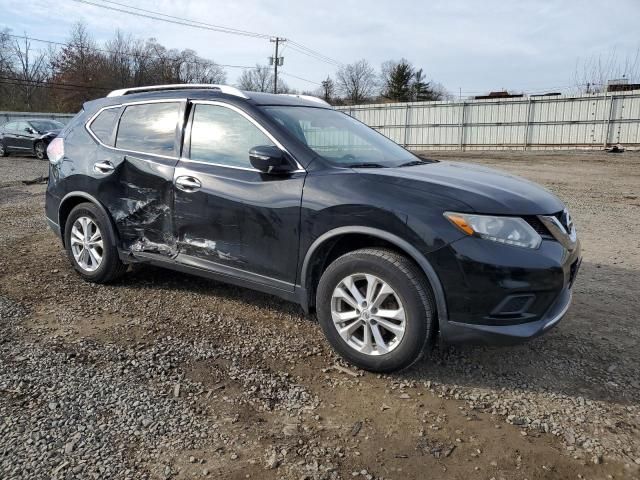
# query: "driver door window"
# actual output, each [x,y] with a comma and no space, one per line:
[222,136]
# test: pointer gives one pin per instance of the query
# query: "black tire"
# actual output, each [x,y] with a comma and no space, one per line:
[40,150]
[110,268]
[3,150]
[410,284]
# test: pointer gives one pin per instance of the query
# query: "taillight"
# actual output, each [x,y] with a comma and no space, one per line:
[55,150]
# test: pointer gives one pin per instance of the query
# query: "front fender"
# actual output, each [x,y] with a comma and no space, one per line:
[403,245]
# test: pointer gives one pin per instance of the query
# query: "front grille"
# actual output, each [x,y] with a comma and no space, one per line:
[565,220]
[537,225]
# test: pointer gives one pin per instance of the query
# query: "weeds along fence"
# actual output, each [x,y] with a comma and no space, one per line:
[528,123]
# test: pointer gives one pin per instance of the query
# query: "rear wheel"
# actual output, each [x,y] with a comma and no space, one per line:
[88,233]
[376,309]
[40,150]
[3,150]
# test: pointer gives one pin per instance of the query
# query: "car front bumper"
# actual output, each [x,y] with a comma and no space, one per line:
[480,278]
[459,332]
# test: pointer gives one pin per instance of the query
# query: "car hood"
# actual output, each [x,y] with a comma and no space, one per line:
[484,190]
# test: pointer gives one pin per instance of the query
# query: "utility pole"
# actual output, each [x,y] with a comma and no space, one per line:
[276,61]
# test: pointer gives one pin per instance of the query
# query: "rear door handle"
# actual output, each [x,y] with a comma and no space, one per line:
[188,184]
[103,167]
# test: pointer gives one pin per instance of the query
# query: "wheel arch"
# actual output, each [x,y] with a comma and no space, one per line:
[70,201]
[320,250]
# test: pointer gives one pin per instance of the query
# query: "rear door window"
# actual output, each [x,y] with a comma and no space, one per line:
[149,128]
[103,126]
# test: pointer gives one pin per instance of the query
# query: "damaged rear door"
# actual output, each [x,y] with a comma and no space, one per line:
[147,148]
[229,217]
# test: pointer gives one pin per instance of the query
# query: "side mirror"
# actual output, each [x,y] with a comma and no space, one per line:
[29,130]
[268,159]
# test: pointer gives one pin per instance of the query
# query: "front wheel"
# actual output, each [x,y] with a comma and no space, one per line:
[376,309]
[3,149]
[40,150]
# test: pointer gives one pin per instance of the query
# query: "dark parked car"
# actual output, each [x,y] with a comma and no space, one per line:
[285,195]
[29,137]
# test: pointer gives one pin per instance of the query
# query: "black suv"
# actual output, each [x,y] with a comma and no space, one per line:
[28,136]
[283,194]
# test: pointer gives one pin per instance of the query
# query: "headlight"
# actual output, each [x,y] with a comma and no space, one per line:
[509,230]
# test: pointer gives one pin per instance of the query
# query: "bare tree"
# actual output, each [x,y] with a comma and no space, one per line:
[357,81]
[194,69]
[6,70]
[260,79]
[439,92]
[30,69]
[592,74]
[119,60]
[328,89]
[80,65]
[5,51]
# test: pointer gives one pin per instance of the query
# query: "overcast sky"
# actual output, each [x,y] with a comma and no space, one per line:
[470,45]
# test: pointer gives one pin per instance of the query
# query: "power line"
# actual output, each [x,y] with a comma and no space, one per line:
[221,28]
[154,15]
[183,22]
[48,83]
[529,90]
[299,78]
[296,49]
[135,55]
[308,51]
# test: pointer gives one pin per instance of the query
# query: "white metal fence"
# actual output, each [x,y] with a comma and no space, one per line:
[536,123]
[9,116]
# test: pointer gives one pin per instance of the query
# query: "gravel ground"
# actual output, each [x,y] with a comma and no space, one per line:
[164,375]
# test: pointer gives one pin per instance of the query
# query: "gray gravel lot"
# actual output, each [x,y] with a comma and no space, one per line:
[164,375]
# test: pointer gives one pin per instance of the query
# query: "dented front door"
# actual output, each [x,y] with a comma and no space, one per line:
[228,216]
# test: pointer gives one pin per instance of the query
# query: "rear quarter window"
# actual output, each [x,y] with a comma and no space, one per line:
[149,128]
[103,126]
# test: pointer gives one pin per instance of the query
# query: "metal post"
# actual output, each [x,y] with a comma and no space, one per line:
[406,126]
[461,141]
[526,128]
[608,120]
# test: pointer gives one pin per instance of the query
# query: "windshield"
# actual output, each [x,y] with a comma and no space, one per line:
[340,139]
[46,125]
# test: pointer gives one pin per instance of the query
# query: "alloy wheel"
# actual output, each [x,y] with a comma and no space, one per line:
[368,314]
[86,244]
[40,150]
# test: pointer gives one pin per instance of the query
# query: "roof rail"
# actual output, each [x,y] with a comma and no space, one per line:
[307,97]
[180,86]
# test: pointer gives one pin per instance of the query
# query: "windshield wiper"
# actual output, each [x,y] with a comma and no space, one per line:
[412,163]
[366,165]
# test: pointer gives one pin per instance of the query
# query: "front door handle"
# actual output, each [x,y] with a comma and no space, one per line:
[104,167]
[188,184]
